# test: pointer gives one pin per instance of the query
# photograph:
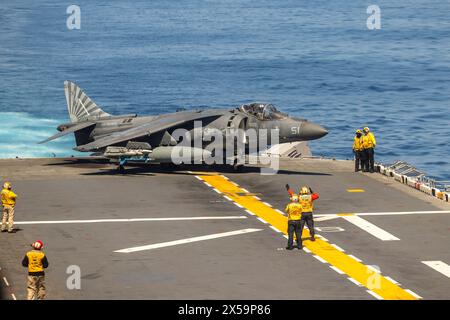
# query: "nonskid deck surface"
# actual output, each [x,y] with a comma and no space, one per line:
[202,233]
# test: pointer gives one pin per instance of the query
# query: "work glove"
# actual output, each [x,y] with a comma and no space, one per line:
[287,187]
[311,190]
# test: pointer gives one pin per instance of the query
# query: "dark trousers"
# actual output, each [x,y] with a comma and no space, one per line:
[369,160]
[294,226]
[359,164]
[307,217]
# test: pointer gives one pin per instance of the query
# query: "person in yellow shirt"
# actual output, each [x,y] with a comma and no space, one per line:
[369,143]
[8,201]
[294,212]
[306,198]
[36,261]
[358,151]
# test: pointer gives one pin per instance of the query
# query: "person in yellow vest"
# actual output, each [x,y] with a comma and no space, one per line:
[306,199]
[358,151]
[8,201]
[369,144]
[36,261]
[294,212]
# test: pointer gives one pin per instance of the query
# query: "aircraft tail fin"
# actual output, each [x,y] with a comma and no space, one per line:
[79,105]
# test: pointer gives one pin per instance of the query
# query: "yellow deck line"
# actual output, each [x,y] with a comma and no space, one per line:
[355,190]
[354,269]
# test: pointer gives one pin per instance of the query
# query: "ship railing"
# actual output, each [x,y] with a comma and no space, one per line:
[443,185]
[407,174]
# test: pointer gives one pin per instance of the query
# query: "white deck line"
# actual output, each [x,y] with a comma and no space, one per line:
[325,217]
[274,229]
[439,266]
[399,213]
[413,294]
[392,280]
[319,258]
[355,282]
[370,228]
[337,247]
[337,270]
[249,212]
[129,220]
[390,213]
[352,256]
[187,240]
[263,221]
[374,295]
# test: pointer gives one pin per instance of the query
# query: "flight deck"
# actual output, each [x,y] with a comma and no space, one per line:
[209,233]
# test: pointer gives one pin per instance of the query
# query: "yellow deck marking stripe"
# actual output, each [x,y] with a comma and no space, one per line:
[348,265]
[356,190]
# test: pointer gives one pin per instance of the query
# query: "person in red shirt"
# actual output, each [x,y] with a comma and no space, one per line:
[306,198]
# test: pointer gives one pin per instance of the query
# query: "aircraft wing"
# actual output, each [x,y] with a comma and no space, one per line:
[149,128]
[72,129]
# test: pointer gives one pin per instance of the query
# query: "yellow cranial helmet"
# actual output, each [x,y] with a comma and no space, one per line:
[294,198]
[7,185]
[304,190]
[366,129]
[358,131]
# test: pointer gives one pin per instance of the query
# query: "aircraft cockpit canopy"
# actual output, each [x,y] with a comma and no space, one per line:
[263,111]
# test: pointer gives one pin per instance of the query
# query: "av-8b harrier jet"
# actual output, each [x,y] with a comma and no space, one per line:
[152,138]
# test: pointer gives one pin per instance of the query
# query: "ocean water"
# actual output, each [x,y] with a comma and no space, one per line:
[314,59]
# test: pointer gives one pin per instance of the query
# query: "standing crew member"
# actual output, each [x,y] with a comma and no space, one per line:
[36,261]
[369,144]
[358,150]
[294,211]
[306,199]
[8,201]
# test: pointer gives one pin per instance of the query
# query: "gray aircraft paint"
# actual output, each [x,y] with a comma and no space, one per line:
[95,129]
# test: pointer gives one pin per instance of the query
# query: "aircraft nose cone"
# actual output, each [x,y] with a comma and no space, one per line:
[311,131]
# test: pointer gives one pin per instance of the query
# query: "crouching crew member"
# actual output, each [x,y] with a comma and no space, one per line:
[36,261]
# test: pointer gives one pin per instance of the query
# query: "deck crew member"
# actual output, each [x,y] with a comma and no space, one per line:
[36,261]
[369,144]
[358,151]
[8,201]
[306,199]
[294,212]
